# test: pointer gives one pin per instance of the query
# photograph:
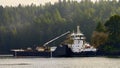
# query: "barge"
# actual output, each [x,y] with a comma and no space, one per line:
[77,48]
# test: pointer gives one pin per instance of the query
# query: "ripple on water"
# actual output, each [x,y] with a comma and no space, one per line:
[17,64]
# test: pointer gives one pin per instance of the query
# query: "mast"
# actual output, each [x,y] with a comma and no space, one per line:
[78,29]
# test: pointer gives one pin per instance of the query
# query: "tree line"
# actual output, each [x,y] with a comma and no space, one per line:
[106,37]
[31,26]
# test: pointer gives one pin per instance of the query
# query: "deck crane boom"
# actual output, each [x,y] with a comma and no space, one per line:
[55,38]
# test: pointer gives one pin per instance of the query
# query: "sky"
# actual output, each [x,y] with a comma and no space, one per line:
[25,2]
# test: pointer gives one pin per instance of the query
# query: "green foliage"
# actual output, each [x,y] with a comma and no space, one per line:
[100,27]
[110,49]
[113,28]
[108,39]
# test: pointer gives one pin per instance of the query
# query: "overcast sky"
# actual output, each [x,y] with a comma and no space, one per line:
[25,2]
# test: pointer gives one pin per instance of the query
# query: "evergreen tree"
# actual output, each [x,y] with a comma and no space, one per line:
[100,27]
[25,26]
[113,28]
[99,36]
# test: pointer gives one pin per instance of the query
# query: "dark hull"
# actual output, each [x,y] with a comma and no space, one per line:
[32,53]
[84,54]
[61,51]
[54,54]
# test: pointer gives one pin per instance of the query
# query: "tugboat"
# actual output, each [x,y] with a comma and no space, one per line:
[78,47]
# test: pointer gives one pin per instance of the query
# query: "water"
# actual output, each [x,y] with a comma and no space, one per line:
[81,62]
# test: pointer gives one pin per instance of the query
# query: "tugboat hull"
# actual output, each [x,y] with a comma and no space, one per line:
[83,54]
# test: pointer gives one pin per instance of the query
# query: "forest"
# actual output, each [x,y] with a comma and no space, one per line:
[31,26]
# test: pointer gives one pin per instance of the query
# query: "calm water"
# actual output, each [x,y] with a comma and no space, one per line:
[82,62]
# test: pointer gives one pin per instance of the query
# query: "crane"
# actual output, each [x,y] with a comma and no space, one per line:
[55,38]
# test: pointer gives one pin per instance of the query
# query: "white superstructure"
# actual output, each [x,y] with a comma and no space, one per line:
[79,44]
